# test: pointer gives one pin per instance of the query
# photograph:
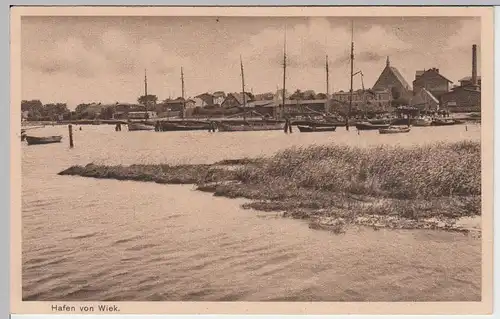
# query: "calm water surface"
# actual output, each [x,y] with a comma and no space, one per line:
[88,239]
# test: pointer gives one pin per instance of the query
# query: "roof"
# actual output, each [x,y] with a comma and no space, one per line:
[239,97]
[419,72]
[422,97]
[178,100]
[395,72]
[305,101]
[203,95]
[469,78]
[436,72]
[430,95]
[260,103]
[126,104]
[462,88]
[267,103]
[399,76]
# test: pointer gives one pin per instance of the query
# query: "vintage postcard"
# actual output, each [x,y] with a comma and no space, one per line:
[252,160]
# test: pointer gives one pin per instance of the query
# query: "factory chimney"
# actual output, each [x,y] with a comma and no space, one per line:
[474,65]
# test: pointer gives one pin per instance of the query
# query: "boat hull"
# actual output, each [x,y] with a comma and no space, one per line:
[394,130]
[249,127]
[169,127]
[370,127]
[311,129]
[140,127]
[443,123]
[33,140]
[380,121]
[420,122]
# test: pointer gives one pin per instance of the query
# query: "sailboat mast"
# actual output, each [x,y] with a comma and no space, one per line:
[243,89]
[145,89]
[327,108]
[284,75]
[352,76]
[182,88]
[145,82]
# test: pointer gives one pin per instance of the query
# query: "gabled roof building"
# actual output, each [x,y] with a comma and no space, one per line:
[391,79]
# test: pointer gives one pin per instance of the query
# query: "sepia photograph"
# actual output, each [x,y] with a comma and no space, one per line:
[250,155]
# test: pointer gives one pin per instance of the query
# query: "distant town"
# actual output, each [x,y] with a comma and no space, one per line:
[430,91]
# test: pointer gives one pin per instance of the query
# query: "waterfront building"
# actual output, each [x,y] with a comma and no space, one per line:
[432,81]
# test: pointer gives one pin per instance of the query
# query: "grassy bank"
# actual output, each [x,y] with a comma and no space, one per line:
[336,185]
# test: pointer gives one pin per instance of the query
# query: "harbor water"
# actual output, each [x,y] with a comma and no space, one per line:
[87,239]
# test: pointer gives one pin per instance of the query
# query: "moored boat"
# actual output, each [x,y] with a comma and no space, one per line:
[443,122]
[34,140]
[394,130]
[400,121]
[379,121]
[182,126]
[422,122]
[139,127]
[366,126]
[224,127]
[310,128]
[316,123]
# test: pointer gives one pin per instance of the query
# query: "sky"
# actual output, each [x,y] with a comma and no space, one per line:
[103,59]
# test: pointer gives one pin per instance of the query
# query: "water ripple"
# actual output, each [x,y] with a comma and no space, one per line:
[87,239]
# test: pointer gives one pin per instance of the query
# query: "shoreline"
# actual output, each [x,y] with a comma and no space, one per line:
[332,187]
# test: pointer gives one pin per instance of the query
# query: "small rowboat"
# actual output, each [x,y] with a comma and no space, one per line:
[33,140]
[394,130]
[308,128]
[366,126]
[140,127]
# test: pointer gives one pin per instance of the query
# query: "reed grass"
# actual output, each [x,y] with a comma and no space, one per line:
[420,182]
[397,172]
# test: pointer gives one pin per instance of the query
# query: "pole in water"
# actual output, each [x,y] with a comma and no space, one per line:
[466,128]
[70,129]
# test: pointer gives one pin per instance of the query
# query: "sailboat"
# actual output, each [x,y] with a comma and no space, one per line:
[132,126]
[315,126]
[183,125]
[248,125]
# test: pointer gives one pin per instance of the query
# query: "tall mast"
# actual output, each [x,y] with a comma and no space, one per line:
[182,88]
[327,108]
[352,75]
[145,82]
[284,73]
[243,89]
[145,89]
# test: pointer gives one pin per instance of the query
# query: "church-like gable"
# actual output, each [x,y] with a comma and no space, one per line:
[390,79]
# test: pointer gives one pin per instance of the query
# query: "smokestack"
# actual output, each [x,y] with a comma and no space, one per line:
[474,65]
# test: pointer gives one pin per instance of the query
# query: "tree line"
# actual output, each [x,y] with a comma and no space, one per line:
[35,110]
